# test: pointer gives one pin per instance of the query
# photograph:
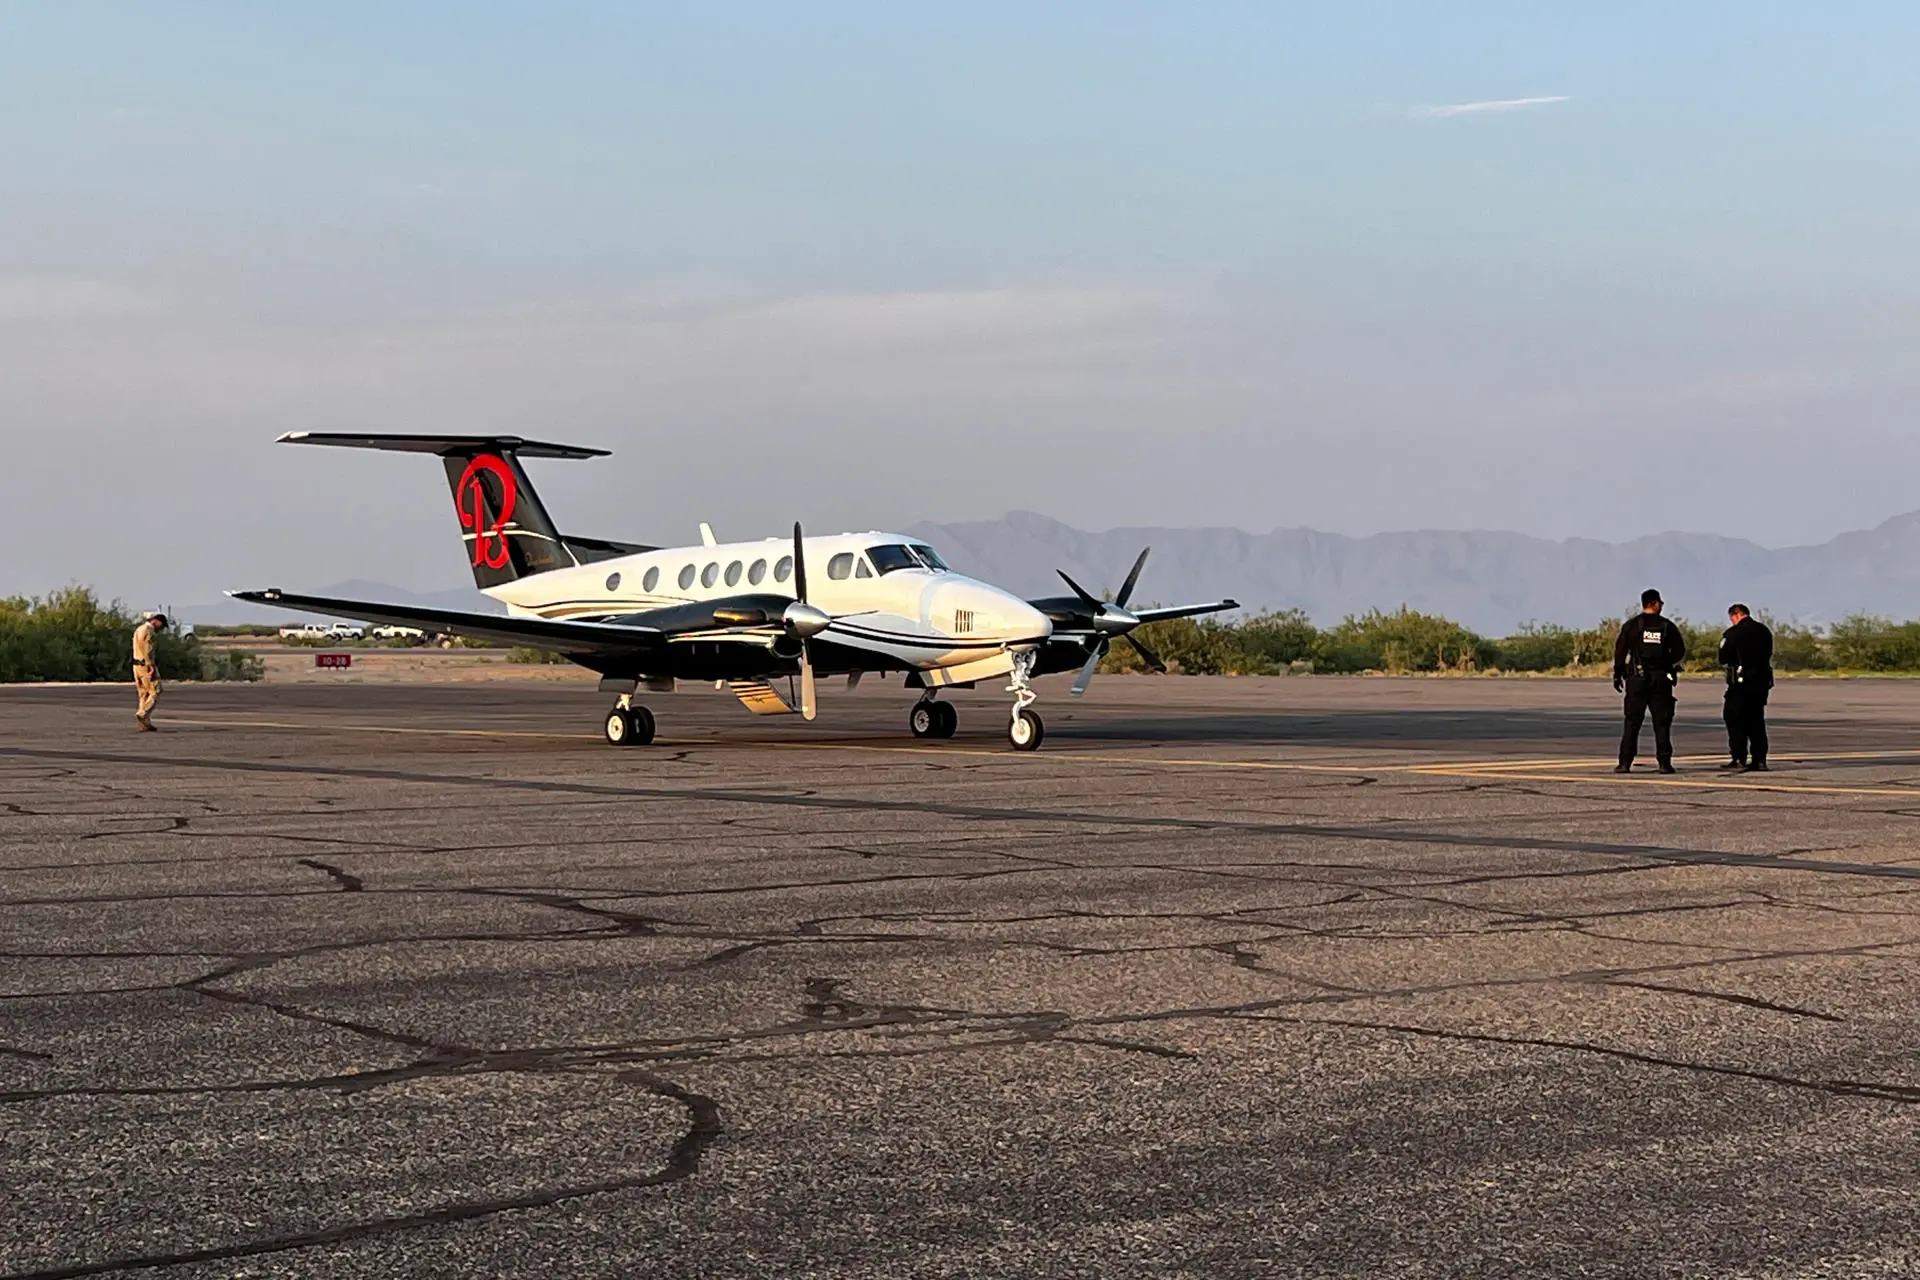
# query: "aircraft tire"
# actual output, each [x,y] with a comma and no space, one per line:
[924,720]
[946,720]
[1026,732]
[620,727]
[643,726]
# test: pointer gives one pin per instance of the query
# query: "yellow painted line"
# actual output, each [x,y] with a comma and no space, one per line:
[1601,761]
[1490,771]
[1700,784]
[330,726]
[995,753]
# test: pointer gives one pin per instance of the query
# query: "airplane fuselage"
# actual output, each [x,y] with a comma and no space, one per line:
[892,600]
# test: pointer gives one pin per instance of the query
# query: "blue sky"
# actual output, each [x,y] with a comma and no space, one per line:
[1125,263]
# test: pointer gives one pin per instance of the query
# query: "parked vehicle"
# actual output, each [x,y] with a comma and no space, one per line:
[397,633]
[306,631]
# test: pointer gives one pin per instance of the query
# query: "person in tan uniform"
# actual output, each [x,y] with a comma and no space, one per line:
[146,675]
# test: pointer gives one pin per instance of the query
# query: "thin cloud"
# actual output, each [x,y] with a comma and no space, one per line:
[1450,110]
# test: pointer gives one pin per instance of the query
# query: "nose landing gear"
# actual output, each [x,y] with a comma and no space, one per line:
[628,725]
[1027,730]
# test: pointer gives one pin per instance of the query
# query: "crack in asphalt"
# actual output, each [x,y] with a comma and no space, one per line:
[348,882]
[992,813]
[834,1019]
[682,1161]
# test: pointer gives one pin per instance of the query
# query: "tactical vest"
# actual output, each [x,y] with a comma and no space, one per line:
[1647,649]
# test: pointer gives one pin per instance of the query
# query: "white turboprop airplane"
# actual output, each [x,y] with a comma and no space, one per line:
[743,614]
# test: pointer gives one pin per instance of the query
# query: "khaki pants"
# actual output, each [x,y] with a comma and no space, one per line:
[149,686]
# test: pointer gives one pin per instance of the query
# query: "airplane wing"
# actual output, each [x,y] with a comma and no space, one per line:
[1184,611]
[571,638]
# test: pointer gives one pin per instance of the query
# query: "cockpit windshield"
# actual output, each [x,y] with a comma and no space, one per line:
[895,556]
[887,559]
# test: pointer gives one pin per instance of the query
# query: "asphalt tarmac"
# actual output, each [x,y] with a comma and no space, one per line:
[1296,977]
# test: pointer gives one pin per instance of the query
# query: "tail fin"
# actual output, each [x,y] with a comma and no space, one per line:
[507,529]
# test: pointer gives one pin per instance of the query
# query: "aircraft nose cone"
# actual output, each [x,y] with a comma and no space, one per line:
[805,620]
[1023,621]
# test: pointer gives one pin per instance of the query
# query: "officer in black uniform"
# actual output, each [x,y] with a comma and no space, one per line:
[1746,651]
[1646,667]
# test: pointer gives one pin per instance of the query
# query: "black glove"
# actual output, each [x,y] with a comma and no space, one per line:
[1619,684]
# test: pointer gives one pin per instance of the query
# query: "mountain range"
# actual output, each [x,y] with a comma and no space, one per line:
[1491,581]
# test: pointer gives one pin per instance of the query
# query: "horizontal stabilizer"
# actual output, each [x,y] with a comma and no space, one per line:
[444,446]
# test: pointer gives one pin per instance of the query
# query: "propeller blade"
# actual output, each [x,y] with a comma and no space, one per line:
[1085,677]
[1126,588]
[799,568]
[808,705]
[1147,655]
[1086,598]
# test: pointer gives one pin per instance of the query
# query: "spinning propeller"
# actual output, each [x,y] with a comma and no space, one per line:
[1112,620]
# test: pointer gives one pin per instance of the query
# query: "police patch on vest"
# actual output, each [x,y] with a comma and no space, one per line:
[1652,637]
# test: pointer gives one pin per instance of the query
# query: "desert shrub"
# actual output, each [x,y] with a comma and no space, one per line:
[1270,642]
[537,657]
[1798,648]
[1404,640]
[1538,647]
[71,635]
[230,664]
[1864,643]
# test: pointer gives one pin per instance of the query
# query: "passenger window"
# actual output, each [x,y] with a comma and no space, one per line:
[733,574]
[686,577]
[652,579]
[841,566]
[783,570]
[860,569]
[613,582]
[710,574]
[757,574]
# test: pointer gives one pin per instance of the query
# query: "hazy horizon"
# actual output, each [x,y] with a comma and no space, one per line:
[1600,274]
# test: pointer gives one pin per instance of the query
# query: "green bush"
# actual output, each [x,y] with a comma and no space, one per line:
[251,630]
[537,657]
[1798,648]
[1864,643]
[1275,641]
[1408,641]
[1539,647]
[71,636]
[1401,641]
[230,664]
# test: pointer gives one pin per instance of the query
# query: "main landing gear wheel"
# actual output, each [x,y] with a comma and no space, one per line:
[629,727]
[933,720]
[1026,732]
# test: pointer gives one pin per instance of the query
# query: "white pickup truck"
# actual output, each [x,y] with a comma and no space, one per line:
[320,631]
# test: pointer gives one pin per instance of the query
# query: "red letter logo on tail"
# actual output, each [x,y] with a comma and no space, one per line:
[470,496]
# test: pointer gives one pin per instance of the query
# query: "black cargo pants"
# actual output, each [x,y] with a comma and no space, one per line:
[1746,717]
[1649,693]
